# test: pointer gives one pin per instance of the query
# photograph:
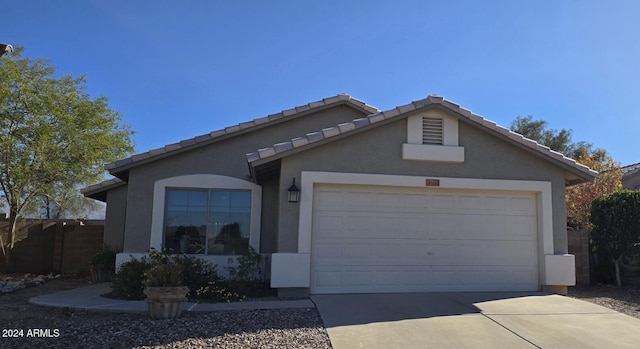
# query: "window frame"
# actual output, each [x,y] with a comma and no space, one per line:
[209,211]
[205,182]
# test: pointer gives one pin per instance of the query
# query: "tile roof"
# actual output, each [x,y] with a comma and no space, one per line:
[281,148]
[205,138]
[630,170]
[97,191]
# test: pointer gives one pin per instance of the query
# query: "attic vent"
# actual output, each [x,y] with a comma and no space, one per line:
[432,130]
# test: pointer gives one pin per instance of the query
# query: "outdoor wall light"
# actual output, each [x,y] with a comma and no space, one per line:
[294,192]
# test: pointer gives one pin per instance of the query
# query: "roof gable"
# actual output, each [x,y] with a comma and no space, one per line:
[333,133]
[120,168]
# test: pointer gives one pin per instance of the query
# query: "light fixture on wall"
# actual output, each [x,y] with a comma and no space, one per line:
[294,192]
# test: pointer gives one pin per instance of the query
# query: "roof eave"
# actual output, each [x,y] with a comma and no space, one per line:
[120,168]
[99,191]
[278,151]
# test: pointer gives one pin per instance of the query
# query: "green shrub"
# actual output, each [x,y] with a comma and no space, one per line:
[103,265]
[616,227]
[127,283]
[196,273]
[245,278]
[105,258]
[163,275]
[162,268]
[201,276]
[214,293]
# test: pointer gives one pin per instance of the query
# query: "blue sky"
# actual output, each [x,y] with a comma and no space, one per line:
[177,69]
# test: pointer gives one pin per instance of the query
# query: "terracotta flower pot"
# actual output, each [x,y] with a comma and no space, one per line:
[165,302]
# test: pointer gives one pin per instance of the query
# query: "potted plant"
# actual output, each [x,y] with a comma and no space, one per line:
[103,265]
[164,290]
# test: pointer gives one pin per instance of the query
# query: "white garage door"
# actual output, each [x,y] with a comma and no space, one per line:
[391,239]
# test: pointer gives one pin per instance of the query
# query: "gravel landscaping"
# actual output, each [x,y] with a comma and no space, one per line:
[65,328]
[43,327]
[625,299]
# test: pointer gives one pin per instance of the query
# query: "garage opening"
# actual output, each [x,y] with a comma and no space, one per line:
[368,239]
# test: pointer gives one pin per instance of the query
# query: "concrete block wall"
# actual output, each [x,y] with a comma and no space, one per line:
[579,247]
[58,246]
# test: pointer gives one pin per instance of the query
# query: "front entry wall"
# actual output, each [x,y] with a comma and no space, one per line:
[305,270]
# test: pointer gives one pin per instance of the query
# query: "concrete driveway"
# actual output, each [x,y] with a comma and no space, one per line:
[472,320]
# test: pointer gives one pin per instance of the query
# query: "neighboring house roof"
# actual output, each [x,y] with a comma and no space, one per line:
[630,170]
[99,191]
[312,139]
[120,168]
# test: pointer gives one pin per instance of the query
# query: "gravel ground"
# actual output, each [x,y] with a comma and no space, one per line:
[33,326]
[625,299]
[65,328]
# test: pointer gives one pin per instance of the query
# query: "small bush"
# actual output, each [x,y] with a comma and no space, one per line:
[103,265]
[163,275]
[196,273]
[245,277]
[106,257]
[215,293]
[127,283]
[201,276]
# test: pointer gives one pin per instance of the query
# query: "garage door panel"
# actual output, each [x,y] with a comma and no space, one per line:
[389,239]
[442,201]
[522,204]
[353,252]
[482,279]
[363,279]
[329,225]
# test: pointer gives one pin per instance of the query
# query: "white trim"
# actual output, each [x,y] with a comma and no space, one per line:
[542,189]
[204,181]
[430,152]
